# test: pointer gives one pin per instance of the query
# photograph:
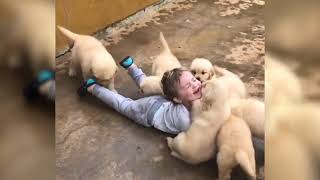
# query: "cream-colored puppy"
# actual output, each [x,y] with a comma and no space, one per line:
[92,57]
[151,85]
[236,88]
[292,126]
[198,143]
[235,148]
[202,69]
[282,85]
[27,44]
[165,61]
[252,112]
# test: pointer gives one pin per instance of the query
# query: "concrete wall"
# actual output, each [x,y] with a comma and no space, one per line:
[89,16]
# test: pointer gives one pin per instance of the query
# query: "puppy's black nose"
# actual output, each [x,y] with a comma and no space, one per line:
[198,78]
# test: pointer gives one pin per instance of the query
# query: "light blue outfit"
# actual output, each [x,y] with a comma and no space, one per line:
[155,111]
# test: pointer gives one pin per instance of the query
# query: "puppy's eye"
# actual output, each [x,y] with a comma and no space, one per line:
[203,72]
[193,72]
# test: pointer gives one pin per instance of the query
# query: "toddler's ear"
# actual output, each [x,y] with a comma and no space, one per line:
[176,100]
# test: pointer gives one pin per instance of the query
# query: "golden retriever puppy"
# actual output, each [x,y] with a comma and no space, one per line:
[198,143]
[165,61]
[236,88]
[235,148]
[292,126]
[27,44]
[92,57]
[252,112]
[202,69]
[282,85]
[151,85]
[292,145]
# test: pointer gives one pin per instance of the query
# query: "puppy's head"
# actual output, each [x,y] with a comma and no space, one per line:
[214,92]
[202,69]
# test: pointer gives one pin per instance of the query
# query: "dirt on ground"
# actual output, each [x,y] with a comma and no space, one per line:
[95,142]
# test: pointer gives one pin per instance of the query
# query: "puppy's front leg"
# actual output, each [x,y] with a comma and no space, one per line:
[72,69]
[224,161]
[169,142]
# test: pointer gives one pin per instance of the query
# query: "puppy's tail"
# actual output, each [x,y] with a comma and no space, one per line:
[68,34]
[243,159]
[164,43]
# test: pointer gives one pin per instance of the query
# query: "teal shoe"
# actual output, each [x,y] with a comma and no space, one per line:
[126,62]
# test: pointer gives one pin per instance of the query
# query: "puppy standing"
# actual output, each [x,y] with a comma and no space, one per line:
[165,61]
[92,57]
[208,114]
[235,147]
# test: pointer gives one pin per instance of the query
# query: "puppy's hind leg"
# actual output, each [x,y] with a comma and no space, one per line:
[224,161]
[111,85]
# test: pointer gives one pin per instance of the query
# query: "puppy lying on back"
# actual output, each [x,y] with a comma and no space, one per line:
[235,148]
[165,61]
[198,143]
[92,57]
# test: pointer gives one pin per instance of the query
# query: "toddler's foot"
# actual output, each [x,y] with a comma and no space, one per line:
[32,90]
[86,87]
[126,62]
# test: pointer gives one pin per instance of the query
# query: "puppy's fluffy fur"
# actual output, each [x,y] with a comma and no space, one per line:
[235,148]
[27,44]
[91,56]
[292,131]
[197,144]
[236,88]
[165,61]
[282,85]
[252,112]
[202,69]
[151,85]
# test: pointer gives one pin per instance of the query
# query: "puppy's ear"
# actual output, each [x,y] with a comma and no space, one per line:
[212,73]
[176,100]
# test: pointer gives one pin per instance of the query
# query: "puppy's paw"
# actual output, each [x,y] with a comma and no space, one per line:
[169,141]
[72,73]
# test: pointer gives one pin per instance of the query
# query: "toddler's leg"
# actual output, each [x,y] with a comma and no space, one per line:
[135,72]
[135,110]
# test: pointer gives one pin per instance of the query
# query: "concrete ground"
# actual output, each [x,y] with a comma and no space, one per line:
[95,142]
[26,131]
